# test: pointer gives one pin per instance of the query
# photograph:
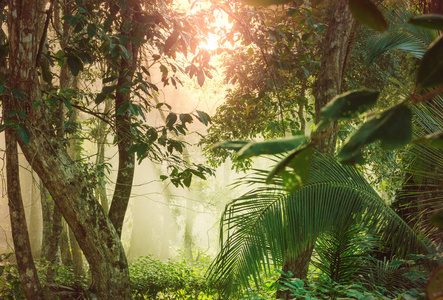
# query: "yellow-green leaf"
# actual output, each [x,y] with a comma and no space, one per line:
[367,13]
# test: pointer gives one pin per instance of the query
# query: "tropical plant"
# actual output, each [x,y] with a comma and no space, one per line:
[267,225]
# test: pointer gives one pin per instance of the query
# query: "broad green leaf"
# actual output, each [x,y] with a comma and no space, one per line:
[91,30]
[431,21]
[393,128]
[170,119]
[203,117]
[430,71]
[186,118]
[108,89]
[74,64]
[230,145]
[367,13]
[300,161]
[349,105]
[24,133]
[437,219]
[265,2]
[271,146]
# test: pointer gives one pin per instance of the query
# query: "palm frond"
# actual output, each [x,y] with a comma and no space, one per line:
[260,228]
[400,36]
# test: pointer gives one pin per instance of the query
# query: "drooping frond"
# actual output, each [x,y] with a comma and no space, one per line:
[400,36]
[265,225]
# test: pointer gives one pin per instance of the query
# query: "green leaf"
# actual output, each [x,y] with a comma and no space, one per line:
[430,71]
[170,119]
[122,109]
[2,86]
[74,64]
[437,219]
[300,161]
[100,98]
[24,133]
[108,89]
[393,128]
[91,30]
[431,21]
[367,13]
[185,118]
[109,79]
[349,105]
[271,146]
[203,117]
[230,145]
[163,177]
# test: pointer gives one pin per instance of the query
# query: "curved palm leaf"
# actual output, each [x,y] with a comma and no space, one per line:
[266,224]
[401,36]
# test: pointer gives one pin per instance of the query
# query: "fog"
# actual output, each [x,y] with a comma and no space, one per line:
[161,220]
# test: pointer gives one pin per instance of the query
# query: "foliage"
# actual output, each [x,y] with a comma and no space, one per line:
[261,227]
[172,279]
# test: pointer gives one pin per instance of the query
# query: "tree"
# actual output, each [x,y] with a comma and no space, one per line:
[30,117]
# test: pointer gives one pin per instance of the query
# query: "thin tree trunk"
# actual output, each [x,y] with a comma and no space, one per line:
[22,246]
[335,52]
[126,158]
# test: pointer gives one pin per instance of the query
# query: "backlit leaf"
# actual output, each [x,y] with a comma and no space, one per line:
[300,161]
[171,40]
[367,13]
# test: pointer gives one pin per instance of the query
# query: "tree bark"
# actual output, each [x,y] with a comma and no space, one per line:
[126,159]
[62,177]
[22,246]
[335,53]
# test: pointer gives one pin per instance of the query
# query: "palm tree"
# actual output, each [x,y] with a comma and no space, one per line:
[267,225]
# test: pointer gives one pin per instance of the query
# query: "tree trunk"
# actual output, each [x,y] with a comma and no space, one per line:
[298,266]
[336,50]
[62,177]
[126,159]
[335,53]
[22,246]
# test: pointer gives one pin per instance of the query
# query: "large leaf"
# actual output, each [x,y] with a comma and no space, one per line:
[300,162]
[367,13]
[431,21]
[430,72]
[271,146]
[349,104]
[393,128]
